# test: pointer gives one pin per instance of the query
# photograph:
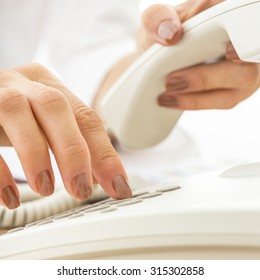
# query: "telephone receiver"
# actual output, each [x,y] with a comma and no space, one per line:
[130,108]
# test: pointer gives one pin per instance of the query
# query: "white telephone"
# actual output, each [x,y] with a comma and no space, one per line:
[209,216]
[130,108]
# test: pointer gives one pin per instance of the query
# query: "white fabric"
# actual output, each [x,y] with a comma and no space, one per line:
[79,39]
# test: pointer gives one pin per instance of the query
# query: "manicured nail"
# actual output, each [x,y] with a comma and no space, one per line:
[44,183]
[176,84]
[167,100]
[81,188]
[9,197]
[167,30]
[121,187]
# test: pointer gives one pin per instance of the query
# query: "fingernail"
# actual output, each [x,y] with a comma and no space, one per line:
[167,30]
[9,197]
[167,100]
[81,188]
[44,183]
[176,84]
[121,187]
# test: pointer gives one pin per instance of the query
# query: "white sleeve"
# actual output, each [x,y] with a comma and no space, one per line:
[83,39]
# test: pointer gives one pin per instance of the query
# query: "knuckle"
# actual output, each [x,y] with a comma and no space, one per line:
[105,154]
[34,70]
[49,97]
[36,66]
[108,157]
[12,100]
[29,70]
[87,118]
[74,149]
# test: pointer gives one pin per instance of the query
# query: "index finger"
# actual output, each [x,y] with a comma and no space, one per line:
[107,167]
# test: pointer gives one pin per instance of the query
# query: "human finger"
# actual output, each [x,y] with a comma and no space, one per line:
[9,195]
[19,124]
[60,128]
[214,99]
[107,167]
[204,77]
[209,86]
[162,24]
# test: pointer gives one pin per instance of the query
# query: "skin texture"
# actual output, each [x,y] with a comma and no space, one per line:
[38,114]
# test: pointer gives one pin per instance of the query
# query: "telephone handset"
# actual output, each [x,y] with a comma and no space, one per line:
[130,107]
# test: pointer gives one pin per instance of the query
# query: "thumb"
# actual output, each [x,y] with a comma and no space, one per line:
[163,24]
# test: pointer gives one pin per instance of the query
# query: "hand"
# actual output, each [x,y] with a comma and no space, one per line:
[38,112]
[221,85]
